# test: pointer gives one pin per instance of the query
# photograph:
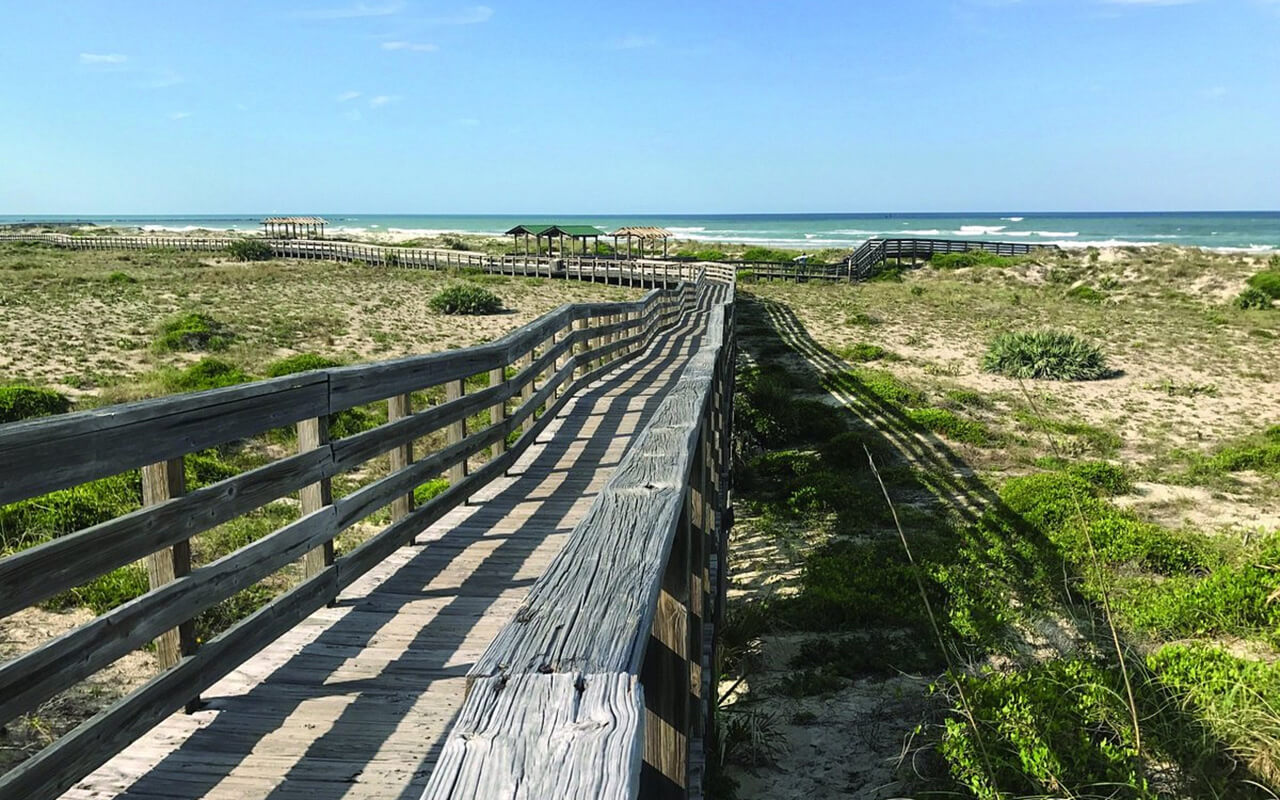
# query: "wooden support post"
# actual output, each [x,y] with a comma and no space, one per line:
[581,347]
[399,407]
[526,392]
[161,482]
[498,412]
[455,432]
[313,434]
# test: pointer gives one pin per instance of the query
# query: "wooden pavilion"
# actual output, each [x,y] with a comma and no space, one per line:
[642,233]
[293,227]
[554,234]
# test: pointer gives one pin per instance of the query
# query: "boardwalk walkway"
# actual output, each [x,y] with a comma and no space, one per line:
[356,701]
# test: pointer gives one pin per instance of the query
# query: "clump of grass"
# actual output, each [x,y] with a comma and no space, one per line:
[24,402]
[466,299]
[430,490]
[1086,294]
[250,250]
[945,423]
[862,351]
[769,254]
[193,332]
[1253,297]
[1106,479]
[104,592]
[38,519]
[863,319]
[302,362]
[121,278]
[969,258]
[705,254]
[207,373]
[1053,355]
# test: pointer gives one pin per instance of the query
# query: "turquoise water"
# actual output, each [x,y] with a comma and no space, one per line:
[1245,230]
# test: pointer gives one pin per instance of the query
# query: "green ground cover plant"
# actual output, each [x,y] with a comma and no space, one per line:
[969,258]
[250,250]
[193,332]
[466,299]
[24,402]
[1045,354]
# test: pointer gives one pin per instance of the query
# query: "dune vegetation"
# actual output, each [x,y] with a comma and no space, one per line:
[999,537]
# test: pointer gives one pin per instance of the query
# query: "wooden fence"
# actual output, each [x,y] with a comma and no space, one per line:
[867,260]
[602,685]
[658,511]
[622,271]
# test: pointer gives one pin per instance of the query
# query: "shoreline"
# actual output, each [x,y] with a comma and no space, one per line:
[405,236]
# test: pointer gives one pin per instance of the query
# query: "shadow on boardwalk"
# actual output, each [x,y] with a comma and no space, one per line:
[362,707]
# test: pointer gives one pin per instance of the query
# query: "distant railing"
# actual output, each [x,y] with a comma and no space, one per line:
[660,499]
[631,272]
[602,685]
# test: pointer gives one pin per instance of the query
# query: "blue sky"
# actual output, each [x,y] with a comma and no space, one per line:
[436,106]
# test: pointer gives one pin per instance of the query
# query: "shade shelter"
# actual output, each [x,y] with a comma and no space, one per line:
[576,233]
[642,233]
[526,231]
[293,227]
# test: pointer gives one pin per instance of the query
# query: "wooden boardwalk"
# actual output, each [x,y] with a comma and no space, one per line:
[356,700]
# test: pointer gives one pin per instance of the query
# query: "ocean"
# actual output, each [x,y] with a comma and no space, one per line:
[1237,230]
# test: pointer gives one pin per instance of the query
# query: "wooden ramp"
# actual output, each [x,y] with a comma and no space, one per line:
[356,700]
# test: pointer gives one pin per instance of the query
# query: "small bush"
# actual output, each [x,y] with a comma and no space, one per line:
[1054,355]
[302,362]
[466,299]
[768,254]
[121,278]
[25,402]
[706,254]
[945,423]
[193,332]
[970,258]
[207,373]
[250,250]
[1267,282]
[1086,294]
[30,522]
[1108,480]
[1253,297]
[862,351]
[429,491]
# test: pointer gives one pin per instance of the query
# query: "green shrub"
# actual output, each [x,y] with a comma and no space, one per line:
[1055,355]
[250,250]
[1086,294]
[969,258]
[705,254]
[206,467]
[768,254]
[429,491]
[121,278]
[1107,480]
[861,351]
[1058,729]
[193,332]
[104,592]
[25,402]
[1253,297]
[947,424]
[1267,282]
[466,299]
[302,362]
[38,519]
[207,373]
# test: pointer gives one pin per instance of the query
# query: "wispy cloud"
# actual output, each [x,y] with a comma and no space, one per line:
[163,79]
[415,47]
[179,114]
[353,11]
[466,16]
[103,59]
[347,96]
[633,41]
[381,100]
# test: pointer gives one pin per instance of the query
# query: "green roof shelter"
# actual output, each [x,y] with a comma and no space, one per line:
[554,233]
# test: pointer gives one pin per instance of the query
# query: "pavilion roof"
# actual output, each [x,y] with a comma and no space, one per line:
[642,231]
[532,230]
[295,221]
[573,230]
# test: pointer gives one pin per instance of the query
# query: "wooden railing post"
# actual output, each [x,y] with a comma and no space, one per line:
[498,412]
[455,433]
[160,482]
[526,391]
[581,347]
[399,407]
[314,434]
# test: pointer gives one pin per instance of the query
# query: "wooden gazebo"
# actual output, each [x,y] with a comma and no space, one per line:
[642,233]
[293,227]
[554,233]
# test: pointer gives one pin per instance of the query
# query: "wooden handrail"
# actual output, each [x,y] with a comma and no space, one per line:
[600,687]
[553,357]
